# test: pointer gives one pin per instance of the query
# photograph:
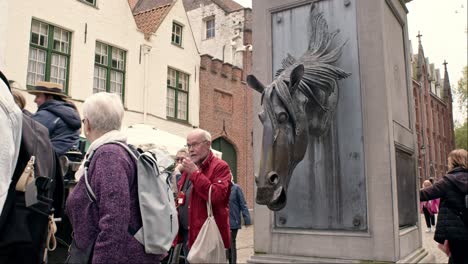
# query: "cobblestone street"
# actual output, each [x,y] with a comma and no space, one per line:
[245,245]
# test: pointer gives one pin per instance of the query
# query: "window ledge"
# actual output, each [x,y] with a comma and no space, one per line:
[177,45]
[180,121]
[88,4]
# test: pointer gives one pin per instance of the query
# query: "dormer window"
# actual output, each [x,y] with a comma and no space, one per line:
[210,28]
[176,34]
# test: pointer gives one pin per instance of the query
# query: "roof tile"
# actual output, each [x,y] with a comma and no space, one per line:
[144,5]
[149,21]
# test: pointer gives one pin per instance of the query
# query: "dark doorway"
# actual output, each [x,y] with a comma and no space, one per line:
[229,154]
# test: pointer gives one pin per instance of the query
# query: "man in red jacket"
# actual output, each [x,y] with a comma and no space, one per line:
[203,169]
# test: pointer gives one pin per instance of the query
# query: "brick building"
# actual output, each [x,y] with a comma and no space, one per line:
[222,30]
[226,111]
[434,118]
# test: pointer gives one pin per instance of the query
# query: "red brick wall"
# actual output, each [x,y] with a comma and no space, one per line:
[226,103]
[434,118]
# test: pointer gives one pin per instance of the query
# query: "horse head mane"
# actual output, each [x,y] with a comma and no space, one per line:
[319,71]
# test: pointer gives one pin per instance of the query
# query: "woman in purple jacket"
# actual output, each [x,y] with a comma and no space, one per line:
[104,227]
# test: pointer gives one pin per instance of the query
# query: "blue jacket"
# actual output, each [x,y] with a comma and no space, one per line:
[63,123]
[237,206]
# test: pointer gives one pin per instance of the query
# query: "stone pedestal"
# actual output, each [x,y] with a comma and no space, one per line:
[371,211]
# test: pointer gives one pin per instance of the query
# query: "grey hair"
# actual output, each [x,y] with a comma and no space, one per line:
[206,135]
[104,112]
[184,150]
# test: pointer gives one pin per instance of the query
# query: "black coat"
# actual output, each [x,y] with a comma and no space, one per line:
[63,123]
[451,190]
[21,225]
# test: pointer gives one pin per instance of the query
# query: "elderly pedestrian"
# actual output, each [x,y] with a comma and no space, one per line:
[176,174]
[451,189]
[203,170]
[182,194]
[102,227]
[58,115]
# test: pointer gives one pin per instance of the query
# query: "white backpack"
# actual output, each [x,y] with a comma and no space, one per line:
[157,206]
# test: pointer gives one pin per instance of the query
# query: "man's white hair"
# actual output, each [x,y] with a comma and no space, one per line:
[206,135]
[104,112]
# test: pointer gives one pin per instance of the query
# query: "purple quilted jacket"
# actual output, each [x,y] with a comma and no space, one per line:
[112,176]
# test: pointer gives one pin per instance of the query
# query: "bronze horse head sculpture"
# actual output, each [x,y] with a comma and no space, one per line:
[298,104]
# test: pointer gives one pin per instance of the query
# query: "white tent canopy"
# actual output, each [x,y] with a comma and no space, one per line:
[161,142]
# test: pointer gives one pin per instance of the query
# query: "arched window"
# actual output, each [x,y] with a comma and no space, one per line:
[229,154]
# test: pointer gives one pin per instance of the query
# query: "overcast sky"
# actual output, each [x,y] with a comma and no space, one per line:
[443,25]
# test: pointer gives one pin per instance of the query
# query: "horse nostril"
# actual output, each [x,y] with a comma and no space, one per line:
[273,178]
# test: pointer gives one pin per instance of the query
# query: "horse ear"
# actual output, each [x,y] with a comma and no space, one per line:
[255,84]
[296,77]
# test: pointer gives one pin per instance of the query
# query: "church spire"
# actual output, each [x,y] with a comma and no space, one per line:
[421,59]
[419,37]
[447,88]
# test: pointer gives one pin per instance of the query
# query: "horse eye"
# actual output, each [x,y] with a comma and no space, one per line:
[282,117]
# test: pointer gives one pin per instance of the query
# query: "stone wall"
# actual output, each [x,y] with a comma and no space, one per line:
[227,44]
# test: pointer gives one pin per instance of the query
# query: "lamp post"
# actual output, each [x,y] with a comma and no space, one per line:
[422,151]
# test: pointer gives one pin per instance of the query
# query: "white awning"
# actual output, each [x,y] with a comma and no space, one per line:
[161,142]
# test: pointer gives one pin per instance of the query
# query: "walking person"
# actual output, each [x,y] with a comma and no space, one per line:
[58,115]
[203,170]
[429,209]
[102,227]
[237,206]
[452,190]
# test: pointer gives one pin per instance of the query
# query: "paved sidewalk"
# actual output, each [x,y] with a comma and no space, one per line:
[245,245]
[430,245]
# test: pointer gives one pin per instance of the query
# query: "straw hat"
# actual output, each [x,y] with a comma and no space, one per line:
[48,88]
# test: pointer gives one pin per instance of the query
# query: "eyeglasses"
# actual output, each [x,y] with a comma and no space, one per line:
[179,159]
[188,146]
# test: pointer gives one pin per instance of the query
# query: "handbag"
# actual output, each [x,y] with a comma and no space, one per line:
[208,246]
[27,176]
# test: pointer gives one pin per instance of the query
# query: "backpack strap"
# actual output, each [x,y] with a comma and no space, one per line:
[5,80]
[89,190]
